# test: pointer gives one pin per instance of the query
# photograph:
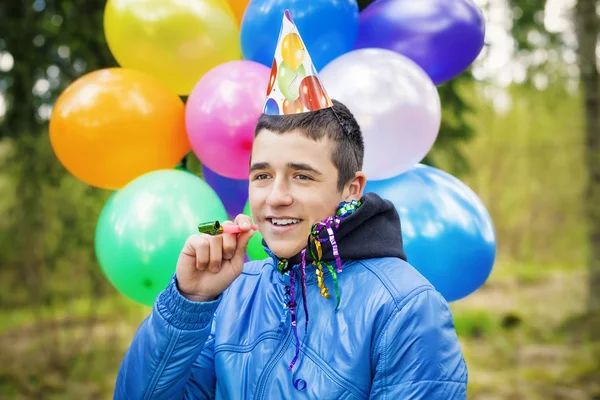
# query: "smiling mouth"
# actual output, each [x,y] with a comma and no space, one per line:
[284,221]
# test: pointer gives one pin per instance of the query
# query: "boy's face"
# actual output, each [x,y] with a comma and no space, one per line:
[293,185]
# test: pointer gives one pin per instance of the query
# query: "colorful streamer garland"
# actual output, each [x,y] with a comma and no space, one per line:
[330,225]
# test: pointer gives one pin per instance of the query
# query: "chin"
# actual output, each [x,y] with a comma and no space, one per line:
[282,249]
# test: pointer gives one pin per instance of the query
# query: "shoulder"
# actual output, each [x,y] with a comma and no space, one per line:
[397,278]
[415,324]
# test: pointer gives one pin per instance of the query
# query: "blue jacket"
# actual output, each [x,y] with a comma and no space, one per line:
[391,336]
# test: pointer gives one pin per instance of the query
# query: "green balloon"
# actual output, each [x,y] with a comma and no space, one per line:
[143,227]
[255,250]
[289,80]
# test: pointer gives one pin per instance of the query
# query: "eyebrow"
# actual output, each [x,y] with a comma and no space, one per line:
[303,167]
[260,165]
[291,165]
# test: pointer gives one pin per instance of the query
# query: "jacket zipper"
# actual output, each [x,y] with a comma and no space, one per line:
[271,364]
[262,381]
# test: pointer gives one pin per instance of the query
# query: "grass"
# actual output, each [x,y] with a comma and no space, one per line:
[512,331]
[105,308]
[515,336]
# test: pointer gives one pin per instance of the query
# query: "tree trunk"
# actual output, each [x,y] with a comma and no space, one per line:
[587,31]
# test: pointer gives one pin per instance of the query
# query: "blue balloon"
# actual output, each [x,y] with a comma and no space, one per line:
[271,107]
[233,192]
[443,37]
[328,28]
[448,234]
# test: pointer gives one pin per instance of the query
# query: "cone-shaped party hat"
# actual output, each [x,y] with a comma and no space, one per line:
[294,86]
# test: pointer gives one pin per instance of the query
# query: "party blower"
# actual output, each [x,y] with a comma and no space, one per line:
[214,228]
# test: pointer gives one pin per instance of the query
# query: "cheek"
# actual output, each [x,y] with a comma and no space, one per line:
[255,199]
[321,206]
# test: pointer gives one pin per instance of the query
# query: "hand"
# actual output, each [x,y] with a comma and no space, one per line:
[207,264]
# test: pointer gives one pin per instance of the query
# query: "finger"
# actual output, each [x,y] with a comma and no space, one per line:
[242,246]
[189,248]
[216,253]
[229,243]
[244,222]
[201,247]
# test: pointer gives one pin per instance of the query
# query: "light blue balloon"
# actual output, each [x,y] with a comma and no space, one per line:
[328,28]
[448,234]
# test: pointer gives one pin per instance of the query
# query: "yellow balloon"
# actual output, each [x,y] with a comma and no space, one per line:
[176,41]
[292,50]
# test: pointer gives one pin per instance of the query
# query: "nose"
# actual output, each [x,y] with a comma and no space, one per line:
[280,195]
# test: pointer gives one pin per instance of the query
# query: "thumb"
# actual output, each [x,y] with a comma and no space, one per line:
[242,245]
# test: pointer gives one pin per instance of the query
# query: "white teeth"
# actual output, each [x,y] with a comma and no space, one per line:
[281,221]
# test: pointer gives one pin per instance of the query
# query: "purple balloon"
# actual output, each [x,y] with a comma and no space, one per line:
[233,192]
[443,37]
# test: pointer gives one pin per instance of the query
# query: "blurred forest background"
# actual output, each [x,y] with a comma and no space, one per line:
[520,128]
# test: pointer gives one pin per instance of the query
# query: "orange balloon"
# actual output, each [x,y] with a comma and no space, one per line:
[113,125]
[238,7]
[292,50]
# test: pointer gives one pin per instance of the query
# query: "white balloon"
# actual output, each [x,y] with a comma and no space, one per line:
[395,103]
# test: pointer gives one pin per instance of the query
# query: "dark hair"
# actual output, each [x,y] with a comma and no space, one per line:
[339,125]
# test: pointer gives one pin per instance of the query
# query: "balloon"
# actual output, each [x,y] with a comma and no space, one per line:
[272,77]
[292,50]
[444,37]
[271,107]
[328,28]
[287,76]
[143,228]
[395,103]
[448,234]
[233,192]
[312,94]
[221,114]
[292,107]
[256,250]
[174,41]
[113,125]
[238,7]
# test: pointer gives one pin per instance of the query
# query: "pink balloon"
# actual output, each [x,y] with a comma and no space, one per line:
[221,114]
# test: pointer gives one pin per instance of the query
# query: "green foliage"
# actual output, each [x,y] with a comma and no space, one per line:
[47,236]
[528,169]
[51,39]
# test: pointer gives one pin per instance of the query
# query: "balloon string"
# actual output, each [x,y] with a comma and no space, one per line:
[293,80]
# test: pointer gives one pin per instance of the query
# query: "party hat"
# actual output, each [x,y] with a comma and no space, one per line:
[294,86]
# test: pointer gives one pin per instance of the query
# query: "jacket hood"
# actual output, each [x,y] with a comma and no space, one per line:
[372,231]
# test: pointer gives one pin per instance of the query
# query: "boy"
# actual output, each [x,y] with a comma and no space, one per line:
[335,312]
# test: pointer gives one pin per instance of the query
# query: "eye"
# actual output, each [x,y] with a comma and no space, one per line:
[303,177]
[260,177]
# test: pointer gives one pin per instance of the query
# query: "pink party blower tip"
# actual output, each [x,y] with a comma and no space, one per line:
[236,228]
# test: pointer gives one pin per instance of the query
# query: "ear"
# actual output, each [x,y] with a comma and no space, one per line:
[355,188]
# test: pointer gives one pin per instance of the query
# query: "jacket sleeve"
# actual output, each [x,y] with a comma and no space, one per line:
[418,355]
[171,355]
